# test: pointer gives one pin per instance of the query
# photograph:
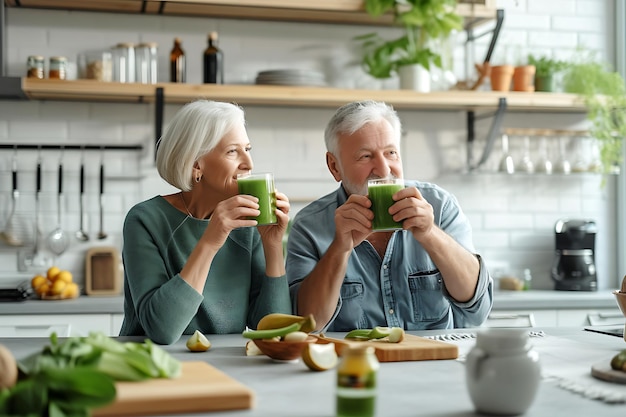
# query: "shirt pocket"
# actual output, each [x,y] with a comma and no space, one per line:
[429,303]
[351,315]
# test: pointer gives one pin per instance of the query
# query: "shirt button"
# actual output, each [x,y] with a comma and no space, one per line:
[385,266]
[391,311]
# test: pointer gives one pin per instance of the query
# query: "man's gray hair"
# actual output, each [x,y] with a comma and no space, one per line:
[353,116]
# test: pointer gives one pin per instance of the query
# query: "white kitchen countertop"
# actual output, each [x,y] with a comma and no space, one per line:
[503,300]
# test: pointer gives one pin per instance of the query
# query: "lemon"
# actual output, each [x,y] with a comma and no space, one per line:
[57,287]
[43,289]
[37,281]
[319,357]
[65,276]
[71,290]
[52,272]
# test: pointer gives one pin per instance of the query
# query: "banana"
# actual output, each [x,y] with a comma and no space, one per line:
[271,333]
[278,320]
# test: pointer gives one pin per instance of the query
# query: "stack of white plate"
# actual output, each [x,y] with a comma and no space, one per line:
[291,77]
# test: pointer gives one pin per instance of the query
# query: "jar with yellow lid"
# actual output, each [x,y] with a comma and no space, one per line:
[356,382]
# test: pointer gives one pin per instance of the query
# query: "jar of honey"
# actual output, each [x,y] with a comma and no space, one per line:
[58,68]
[35,67]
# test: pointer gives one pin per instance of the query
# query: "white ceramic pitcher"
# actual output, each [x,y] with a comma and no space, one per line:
[502,371]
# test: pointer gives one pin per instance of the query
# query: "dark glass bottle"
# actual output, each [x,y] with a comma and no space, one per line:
[213,62]
[177,63]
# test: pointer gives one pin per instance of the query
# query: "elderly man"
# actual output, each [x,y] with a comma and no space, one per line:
[424,276]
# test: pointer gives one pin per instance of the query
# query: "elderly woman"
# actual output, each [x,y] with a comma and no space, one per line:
[193,260]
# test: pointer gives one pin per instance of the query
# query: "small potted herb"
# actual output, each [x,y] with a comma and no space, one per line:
[545,70]
[422,21]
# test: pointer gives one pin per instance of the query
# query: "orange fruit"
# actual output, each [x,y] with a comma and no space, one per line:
[70,291]
[52,272]
[57,287]
[65,276]
[37,281]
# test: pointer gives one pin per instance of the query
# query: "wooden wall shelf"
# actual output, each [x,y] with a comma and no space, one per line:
[321,97]
[323,11]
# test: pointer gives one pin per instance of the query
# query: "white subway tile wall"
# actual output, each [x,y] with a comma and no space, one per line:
[513,217]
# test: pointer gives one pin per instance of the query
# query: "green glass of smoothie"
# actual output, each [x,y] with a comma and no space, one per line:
[260,186]
[380,193]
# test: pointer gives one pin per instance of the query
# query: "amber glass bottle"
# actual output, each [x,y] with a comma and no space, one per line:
[213,62]
[177,63]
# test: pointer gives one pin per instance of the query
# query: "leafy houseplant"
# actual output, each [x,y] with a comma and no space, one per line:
[422,20]
[545,69]
[604,94]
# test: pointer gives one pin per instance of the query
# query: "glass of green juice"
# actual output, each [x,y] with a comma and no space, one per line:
[380,192]
[261,186]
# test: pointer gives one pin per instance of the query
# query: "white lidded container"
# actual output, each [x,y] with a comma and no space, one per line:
[502,371]
[124,62]
[146,70]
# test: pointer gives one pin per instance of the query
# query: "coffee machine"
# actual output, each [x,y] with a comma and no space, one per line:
[574,266]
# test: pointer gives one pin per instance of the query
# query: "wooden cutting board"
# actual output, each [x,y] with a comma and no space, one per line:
[412,348]
[602,370]
[201,387]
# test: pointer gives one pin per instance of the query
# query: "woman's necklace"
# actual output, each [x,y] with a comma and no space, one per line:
[185,205]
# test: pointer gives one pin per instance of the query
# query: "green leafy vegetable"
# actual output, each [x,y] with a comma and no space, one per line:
[70,377]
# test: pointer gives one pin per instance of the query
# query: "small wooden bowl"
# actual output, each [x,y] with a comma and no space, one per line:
[283,351]
[620,297]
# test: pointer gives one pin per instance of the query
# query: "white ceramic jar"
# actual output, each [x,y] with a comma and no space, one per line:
[502,371]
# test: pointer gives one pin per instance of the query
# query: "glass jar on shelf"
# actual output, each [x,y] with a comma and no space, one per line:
[35,67]
[124,62]
[96,65]
[146,70]
[57,68]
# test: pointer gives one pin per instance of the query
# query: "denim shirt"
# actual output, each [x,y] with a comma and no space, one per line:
[404,288]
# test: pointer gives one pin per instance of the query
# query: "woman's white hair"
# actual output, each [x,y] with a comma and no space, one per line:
[353,116]
[194,131]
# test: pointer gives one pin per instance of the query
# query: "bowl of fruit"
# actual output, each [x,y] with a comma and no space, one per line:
[282,337]
[55,284]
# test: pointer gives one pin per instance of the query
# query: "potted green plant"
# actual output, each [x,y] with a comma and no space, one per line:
[604,94]
[545,70]
[422,21]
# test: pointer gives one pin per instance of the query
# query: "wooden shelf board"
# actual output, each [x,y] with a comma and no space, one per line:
[326,11]
[320,97]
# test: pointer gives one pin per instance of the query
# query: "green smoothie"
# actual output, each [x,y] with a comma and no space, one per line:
[381,197]
[261,186]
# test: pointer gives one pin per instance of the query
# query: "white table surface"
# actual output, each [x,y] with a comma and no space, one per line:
[418,388]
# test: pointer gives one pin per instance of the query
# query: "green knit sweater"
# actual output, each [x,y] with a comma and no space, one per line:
[159,304]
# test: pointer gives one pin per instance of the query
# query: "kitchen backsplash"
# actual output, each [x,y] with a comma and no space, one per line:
[513,216]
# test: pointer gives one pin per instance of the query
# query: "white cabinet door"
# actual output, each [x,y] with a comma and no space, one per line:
[590,317]
[35,325]
[116,324]
[521,318]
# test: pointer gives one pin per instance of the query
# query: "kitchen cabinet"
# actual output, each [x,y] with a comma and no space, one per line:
[36,325]
[555,318]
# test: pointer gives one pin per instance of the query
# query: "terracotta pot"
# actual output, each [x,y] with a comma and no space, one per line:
[523,78]
[544,83]
[501,76]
